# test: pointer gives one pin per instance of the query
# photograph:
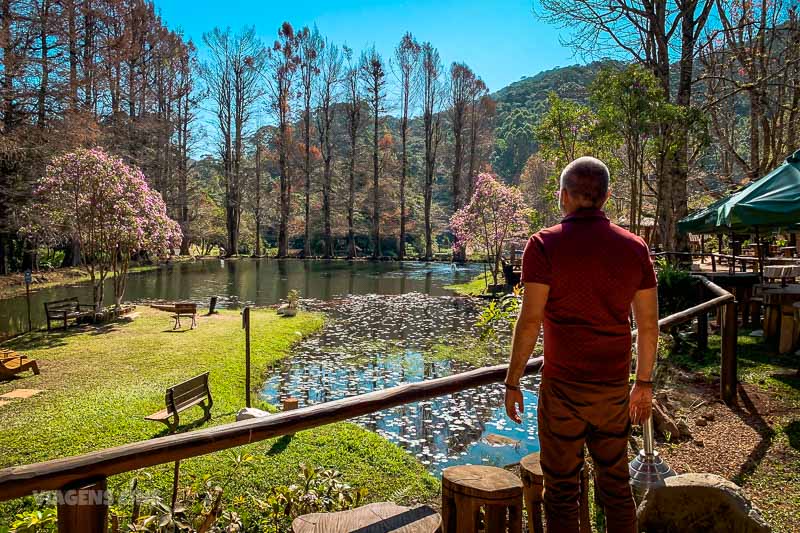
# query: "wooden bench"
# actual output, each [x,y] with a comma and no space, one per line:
[66,309]
[186,310]
[181,397]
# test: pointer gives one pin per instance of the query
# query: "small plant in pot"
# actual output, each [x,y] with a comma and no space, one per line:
[290,307]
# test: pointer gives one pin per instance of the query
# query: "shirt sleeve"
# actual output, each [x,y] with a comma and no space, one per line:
[535,265]
[648,272]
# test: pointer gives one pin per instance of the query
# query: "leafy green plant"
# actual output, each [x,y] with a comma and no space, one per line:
[498,315]
[677,290]
[293,297]
[320,490]
[37,521]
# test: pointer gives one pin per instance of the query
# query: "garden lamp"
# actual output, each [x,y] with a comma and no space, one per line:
[648,469]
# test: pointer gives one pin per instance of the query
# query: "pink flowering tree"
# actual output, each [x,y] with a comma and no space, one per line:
[495,216]
[108,208]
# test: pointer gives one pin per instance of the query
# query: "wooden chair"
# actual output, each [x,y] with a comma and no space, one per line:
[66,309]
[12,363]
[373,517]
[181,397]
[468,488]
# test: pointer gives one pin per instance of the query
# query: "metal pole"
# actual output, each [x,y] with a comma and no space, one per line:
[246,326]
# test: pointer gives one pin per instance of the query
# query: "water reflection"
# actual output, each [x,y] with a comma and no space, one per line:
[256,281]
[372,343]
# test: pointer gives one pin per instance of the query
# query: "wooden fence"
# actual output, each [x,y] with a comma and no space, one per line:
[80,481]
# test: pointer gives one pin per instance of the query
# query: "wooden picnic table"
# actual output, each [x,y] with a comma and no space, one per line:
[788,251]
[779,319]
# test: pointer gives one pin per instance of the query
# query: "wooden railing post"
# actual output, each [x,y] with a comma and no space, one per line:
[83,507]
[702,334]
[728,371]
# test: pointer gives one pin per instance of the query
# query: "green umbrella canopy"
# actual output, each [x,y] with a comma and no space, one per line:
[771,202]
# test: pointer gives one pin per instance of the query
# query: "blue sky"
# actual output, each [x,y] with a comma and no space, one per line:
[501,40]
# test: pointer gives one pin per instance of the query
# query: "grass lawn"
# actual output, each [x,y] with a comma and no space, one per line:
[98,384]
[772,476]
[474,287]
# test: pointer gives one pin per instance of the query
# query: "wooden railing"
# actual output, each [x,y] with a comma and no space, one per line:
[80,481]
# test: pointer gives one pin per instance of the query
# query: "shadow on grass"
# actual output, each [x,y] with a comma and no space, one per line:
[792,430]
[43,339]
[792,380]
[279,445]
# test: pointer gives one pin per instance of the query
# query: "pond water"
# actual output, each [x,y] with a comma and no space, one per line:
[372,343]
[251,281]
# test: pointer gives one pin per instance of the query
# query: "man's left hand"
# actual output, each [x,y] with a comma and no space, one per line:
[641,404]
[514,404]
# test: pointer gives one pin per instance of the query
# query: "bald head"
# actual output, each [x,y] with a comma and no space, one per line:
[586,181]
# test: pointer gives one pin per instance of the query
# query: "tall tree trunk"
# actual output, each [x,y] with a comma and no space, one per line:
[376,219]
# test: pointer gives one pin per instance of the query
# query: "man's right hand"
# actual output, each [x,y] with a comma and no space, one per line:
[514,405]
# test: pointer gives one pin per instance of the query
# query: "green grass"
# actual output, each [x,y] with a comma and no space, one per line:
[475,286]
[99,384]
[773,482]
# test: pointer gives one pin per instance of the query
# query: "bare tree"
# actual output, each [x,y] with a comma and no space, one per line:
[352,107]
[432,95]
[462,80]
[330,79]
[232,74]
[373,78]
[282,65]
[309,46]
[406,62]
[649,32]
[481,108]
[753,61]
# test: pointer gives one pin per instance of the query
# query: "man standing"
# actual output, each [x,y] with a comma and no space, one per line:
[582,277]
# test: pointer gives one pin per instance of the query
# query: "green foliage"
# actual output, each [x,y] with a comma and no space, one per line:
[514,144]
[677,290]
[498,316]
[320,490]
[36,521]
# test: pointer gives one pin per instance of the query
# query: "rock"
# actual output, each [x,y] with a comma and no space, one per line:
[683,427]
[247,413]
[701,422]
[499,440]
[287,310]
[699,443]
[664,423]
[703,503]
[709,417]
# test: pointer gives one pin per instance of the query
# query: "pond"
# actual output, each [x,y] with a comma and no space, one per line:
[252,281]
[372,343]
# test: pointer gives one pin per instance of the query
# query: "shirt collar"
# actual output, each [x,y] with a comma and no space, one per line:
[585,213]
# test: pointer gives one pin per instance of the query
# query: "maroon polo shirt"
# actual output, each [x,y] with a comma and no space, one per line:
[593,268]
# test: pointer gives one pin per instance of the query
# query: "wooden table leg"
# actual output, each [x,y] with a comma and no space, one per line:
[495,518]
[448,511]
[786,339]
[515,518]
[466,514]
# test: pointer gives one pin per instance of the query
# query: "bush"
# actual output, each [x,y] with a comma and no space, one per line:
[677,289]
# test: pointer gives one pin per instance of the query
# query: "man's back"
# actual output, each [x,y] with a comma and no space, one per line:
[593,269]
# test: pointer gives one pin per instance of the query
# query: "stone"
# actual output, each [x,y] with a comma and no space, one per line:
[702,503]
[664,423]
[247,413]
[709,417]
[699,443]
[683,427]
[701,422]
[287,310]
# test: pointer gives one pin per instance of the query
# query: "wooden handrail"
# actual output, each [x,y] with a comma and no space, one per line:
[18,481]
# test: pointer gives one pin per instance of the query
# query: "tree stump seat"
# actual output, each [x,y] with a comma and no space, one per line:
[468,488]
[533,490]
[372,518]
